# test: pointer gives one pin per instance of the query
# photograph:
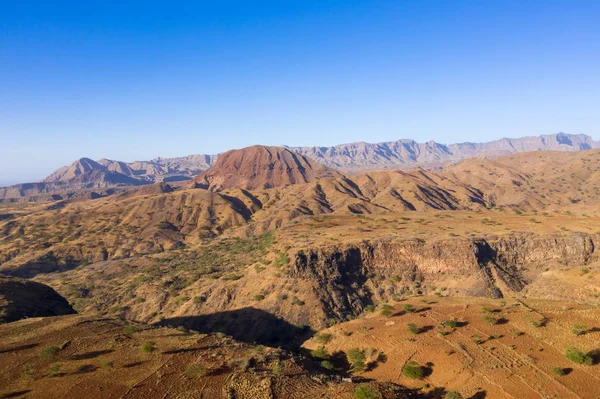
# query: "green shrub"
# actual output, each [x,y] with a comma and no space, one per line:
[413,370]
[276,368]
[408,308]
[412,328]
[369,308]
[49,352]
[195,369]
[148,347]
[387,310]
[259,297]
[298,302]
[453,395]
[577,356]
[326,364]
[490,320]
[320,353]
[357,359]
[579,329]
[558,371]
[129,330]
[26,371]
[55,367]
[365,392]
[107,364]
[323,338]
[451,323]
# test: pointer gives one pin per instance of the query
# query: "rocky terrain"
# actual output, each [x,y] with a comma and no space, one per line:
[76,356]
[408,154]
[269,248]
[261,167]
[86,178]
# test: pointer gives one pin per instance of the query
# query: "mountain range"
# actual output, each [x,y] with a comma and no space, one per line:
[90,179]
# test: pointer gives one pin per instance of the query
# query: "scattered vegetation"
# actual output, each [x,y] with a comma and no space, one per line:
[387,310]
[49,352]
[578,329]
[408,308]
[412,328]
[365,392]
[413,370]
[148,347]
[195,369]
[357,359]
[577,356]
[323,338]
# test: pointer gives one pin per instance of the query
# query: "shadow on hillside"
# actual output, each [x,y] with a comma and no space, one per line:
[595,355]
[90,355]
[18,348]
[247,325]
[15,394]
[45,266]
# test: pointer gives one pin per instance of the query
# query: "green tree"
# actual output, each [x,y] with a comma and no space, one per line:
[413,370]
[365,392]
[412,328]
[387,310]
[577,356]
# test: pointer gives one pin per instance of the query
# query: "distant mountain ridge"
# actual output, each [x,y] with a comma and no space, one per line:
[104,175]
[408,154]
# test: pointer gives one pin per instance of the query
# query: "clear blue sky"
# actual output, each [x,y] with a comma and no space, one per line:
[134,80]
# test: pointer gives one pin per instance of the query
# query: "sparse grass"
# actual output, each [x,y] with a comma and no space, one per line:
[49,352]
[129,330]
[578,329]
[55,367]
[195,369]
[148,347]
[107,364]
[27,371]
[365,392]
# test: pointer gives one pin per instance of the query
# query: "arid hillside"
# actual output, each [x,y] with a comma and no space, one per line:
[77,357]
[480,348]
[318,251]
[261,167]
[303,248]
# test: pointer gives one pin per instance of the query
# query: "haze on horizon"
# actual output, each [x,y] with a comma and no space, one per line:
[139,80]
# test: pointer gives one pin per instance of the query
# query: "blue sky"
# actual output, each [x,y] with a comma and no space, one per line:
[134,80]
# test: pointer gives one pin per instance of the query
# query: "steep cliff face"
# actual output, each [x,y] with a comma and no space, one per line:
[350,277]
